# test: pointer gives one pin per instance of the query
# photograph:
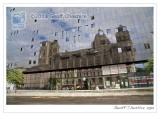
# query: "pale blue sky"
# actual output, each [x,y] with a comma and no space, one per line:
[78,35]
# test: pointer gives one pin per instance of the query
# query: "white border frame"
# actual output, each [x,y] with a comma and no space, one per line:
[76,108]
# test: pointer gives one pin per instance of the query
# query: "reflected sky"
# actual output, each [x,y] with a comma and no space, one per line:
[74,33]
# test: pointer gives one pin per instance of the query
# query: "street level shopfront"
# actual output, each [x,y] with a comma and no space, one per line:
[116,81]
[111,77]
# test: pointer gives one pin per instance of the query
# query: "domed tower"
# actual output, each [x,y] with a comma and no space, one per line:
[123,35]
[44,53]
[100,40]
[54,47]
[125,44]
[47,50]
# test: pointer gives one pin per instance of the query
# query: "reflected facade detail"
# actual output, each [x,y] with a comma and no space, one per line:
[119,50]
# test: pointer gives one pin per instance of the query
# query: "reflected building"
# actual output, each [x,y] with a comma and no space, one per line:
[107,63]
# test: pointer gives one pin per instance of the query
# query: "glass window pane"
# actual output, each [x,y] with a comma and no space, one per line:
[124,28]
[146,45]
[119,50]
[92,25]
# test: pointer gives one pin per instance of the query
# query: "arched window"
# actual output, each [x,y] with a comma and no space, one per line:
[79,81]
[78,20]
[93,80]
[100,80]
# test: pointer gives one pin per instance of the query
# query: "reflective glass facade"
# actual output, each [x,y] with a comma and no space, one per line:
[76,31]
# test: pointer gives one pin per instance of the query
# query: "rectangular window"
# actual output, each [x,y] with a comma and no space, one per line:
[124,28]
[34,53]
[108,31]
[92,25]
[79,28]
[30,61]
[126,49]
[92,17]
[32,39]
[147,46]
[101,32]
[31,46]
[34,62]
[56,33]
[119,50]
[78,20]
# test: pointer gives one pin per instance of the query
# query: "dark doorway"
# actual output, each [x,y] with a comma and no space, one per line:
[86,84]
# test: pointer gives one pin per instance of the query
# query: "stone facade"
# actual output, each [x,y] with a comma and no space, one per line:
[101,53]
[71,67]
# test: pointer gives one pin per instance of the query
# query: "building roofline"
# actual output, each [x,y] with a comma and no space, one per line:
[66,69]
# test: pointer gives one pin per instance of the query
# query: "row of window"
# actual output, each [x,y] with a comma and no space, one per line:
[92,18]
[124,49]
[116,30]
[92,81]
[82,74]
[128,48]
[92,26]
[123,38]
[78,29]
[30,62]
